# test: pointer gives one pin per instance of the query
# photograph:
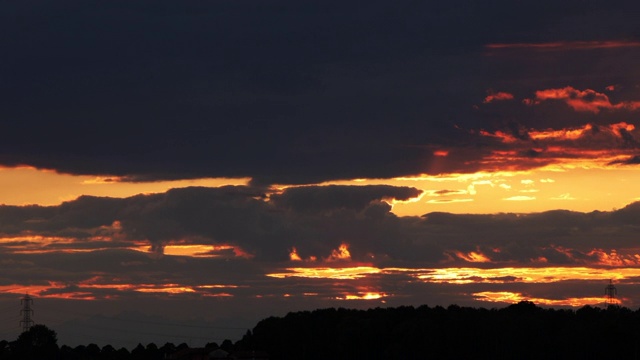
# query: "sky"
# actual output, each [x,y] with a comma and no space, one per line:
[177,171]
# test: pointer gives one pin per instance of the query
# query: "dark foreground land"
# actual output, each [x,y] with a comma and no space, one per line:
[520,331]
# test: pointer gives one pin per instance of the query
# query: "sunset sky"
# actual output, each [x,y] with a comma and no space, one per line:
[178,170]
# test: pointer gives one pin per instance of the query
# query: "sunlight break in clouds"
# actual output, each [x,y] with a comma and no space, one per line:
[363,296]
[513,298]
[347,273]
[23,185]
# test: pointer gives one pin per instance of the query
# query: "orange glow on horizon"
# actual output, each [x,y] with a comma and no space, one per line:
[23,185]
[363,296]
[524,274]
[575,171]
[468,275]
[347,273]
[513,298]
[168,289]
[194,250]
[219,286]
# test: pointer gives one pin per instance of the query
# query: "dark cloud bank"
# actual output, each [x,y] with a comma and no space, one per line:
[282,91]
[316,220]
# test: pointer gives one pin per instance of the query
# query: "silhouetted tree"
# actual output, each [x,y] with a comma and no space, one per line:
[211,346]
[227,345]
[108,352]
[92,351]
[139,352]
[167,349]
[5,350]
[152,352]
[123,354]
[66,353]
[39,342]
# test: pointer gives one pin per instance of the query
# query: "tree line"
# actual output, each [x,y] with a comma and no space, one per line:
[519,331]
[40,343]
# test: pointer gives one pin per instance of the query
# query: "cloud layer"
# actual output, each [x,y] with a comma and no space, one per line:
[293,93]
[305,93]
[90,240]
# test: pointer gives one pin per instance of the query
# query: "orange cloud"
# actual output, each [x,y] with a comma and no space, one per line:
[501,135]
[349,273]
[473,256]
[589,145]
[293,255]
[614,259]
[562,134]
[341,254]
[167,289]
[363,296]
[513,298]
[582,100]
[195,250]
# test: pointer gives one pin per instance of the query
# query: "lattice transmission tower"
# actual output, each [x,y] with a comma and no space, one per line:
[610,293]
[26,312]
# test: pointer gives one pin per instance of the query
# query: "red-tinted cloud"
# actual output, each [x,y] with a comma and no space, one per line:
[498,96]
[603,144]
[582,100]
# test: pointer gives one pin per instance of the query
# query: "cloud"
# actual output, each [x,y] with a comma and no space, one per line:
[498,96]
[583,100]
[632,160]
[293,93]
[601,145]
[360,243]
[333,197]
[230,95]
[238,223]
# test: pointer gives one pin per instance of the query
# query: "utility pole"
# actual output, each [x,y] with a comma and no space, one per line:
[26,312]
